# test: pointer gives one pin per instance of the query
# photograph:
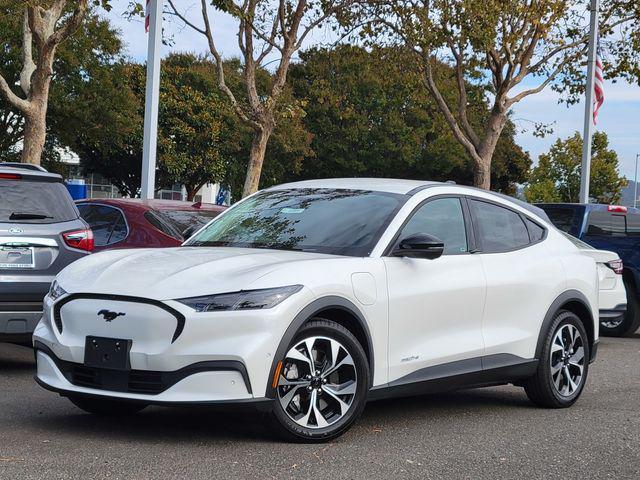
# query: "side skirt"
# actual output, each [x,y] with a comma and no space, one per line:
[485,371]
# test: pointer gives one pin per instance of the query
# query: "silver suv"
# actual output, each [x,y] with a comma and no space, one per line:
[41,232]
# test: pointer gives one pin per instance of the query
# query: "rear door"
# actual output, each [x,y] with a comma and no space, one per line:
[34,212]
[522,280]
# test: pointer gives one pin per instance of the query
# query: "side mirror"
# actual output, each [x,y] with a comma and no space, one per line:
[420,245]
[189,231]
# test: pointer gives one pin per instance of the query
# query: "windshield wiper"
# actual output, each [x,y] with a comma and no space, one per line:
[28,216]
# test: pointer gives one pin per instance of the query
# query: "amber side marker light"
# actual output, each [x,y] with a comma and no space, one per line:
[277,374]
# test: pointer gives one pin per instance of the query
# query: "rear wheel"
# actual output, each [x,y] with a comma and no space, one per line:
[628,324]
[106,407]
[563,365]
[322,383]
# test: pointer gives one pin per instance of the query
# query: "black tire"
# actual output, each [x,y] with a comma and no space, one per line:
[284,424]
[631,321]
[107,407]
[540,388]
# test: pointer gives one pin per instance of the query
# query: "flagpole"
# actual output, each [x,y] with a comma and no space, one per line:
[588,108]
[152,100]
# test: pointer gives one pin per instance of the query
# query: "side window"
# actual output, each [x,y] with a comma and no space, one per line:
[605,223]
[536,232]
[442,218]
[107,223]
[499,229]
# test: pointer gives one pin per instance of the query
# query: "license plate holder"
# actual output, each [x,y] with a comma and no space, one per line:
[17,257]
[110,353]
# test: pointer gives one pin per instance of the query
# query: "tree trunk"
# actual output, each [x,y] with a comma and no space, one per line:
[35,133]
[256,159]
[192,191]
[482,173]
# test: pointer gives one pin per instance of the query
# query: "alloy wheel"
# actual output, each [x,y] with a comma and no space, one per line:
[317,383]
[567,360]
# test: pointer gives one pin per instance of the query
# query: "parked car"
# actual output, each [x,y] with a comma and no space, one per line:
[308,299]
[40,233]
[136,223]
[612,295]
[607,227]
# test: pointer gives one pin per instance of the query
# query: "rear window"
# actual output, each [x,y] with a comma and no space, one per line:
[499,229]
[24,201]
[605,223]
[564,218]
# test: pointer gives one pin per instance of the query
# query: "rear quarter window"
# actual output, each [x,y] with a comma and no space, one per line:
[26,201]
[107,223]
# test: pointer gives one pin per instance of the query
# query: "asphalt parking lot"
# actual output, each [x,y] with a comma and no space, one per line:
[487,433]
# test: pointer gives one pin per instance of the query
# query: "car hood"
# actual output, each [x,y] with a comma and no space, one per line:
[170,273]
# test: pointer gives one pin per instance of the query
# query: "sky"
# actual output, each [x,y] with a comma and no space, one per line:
[619,116]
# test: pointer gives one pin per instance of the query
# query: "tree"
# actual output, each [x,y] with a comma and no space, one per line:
[495,45]
[264,28]
[368,116]
[199,136]
[45,25]
[556,178]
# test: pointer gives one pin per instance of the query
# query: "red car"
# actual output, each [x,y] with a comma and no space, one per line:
[137,223]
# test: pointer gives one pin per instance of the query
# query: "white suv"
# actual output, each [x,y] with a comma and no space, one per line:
[309,299]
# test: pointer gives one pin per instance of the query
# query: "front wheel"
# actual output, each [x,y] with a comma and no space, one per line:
[322,383]
[106,407]
[563,365]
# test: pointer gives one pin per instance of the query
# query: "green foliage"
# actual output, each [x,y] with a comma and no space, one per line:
[556,178]
[369,115]
[83,63]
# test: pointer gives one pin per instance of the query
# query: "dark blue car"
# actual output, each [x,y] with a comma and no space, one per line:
[607,227]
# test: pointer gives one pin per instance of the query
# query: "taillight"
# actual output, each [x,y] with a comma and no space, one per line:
[616,265]
[10,176]
[80,239]
[617,208]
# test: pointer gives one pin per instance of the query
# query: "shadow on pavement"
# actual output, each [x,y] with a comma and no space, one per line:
[16,358]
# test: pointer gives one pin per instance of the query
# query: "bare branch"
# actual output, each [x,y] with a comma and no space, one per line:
[12,98]
[174,11]
[446,111]
[28,65]
[71,25]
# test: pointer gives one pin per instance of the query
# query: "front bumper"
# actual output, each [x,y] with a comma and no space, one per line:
[197,384]
[215,357]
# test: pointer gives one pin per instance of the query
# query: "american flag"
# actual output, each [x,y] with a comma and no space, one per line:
[147,17]
[598,87]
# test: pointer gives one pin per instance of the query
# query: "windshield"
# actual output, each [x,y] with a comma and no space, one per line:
[338,222]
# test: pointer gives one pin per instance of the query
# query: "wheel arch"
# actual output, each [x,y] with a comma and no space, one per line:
[334,308]
[575,302]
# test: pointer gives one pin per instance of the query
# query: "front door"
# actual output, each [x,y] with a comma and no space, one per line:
[435,306]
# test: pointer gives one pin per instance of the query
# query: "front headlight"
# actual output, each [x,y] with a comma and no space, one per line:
[56,291]
[243,300]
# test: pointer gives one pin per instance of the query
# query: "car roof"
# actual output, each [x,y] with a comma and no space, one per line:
[24,166]
[388,185]
[33,175]
[399,186]
[155,204]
